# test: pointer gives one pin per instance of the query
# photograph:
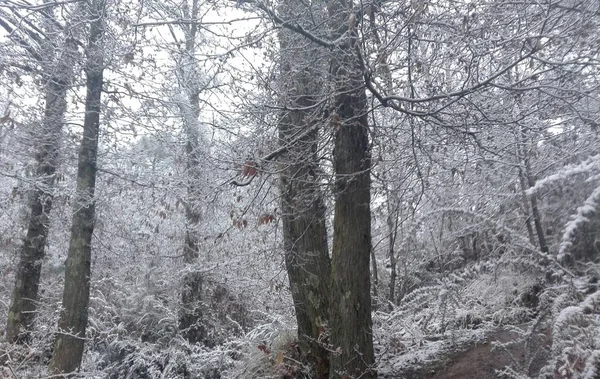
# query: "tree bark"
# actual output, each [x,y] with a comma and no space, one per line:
[303,210]
[526,211]
[190,317]
[537,216]
[68,350]
[375,277]
[350,316]
[392,225]
[191,312]
[189,82]
[22,308]
[535,210]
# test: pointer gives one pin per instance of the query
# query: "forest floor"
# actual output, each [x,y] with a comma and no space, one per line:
[480,360]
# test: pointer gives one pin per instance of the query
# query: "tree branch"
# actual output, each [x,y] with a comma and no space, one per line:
[24,44]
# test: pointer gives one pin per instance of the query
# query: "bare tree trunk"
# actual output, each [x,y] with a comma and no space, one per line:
[303,210]
[350,316]
[191,312]
[190,317]
[392,224]
[526,169]
[25,294]
[193,213]
[537,216]
[73,320]
[58,78]
[189,82]
[526,210]
[374,277]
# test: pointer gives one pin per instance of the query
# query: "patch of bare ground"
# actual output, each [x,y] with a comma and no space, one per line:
[481,361]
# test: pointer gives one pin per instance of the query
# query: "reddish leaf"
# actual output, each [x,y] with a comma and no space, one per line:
[262,347]
[250,168]
[265,218]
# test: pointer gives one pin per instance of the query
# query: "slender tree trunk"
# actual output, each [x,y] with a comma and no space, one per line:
[350,316]
[68,350]
[189,82]
[392,224]
[191,295]
[526,210]
[22,308]
[537,216]
[303,210]
[190,317]
[374,277]
[535,210]
[193,213]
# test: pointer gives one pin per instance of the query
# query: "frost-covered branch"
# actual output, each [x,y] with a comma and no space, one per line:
[589,165]
[580,217]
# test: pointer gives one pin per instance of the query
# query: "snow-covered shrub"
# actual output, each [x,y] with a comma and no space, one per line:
[575,339]
[270,350]
[126,359]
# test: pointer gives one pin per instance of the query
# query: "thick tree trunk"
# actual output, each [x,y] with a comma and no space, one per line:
[350,316]
[306,259]
[191,313]
[22,308]
[68,350]
[302,207]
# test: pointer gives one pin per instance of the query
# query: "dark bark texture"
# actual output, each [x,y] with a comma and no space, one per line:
[25,294]
[302,207]
[73,320]
[22,308]
[350,317]
[190,319]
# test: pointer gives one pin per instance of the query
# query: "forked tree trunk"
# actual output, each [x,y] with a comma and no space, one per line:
[73,320]
[303,210]
[535,210]
[350,317]
[22,310]
[537,216]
